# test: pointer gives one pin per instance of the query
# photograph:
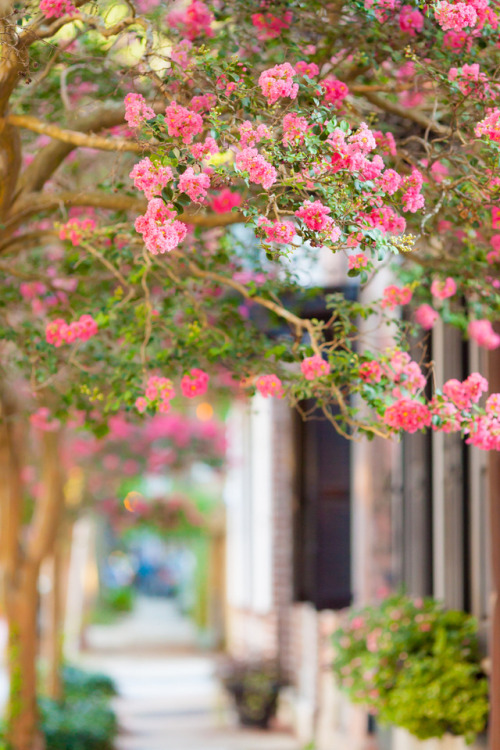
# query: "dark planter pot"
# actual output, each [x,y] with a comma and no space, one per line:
[255,708]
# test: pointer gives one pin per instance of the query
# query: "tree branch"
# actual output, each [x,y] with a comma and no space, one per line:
[408,114]
[35,203]
[74,137]
[48,508]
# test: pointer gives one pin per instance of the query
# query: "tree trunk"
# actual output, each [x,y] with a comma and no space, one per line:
[22,714]
[494,493]
[54,650]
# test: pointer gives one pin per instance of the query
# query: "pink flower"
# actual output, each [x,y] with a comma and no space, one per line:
[475,385]
[57,8]
[385,142]
[410,20]
[183,123]
[443,289]
[193,21]
[194,384]
[335,91]
[40,419]
[357,261]
[493,405]
[277,83]
[194,185]
[203,102]
[389,181]
[259,170]
[151,178]
[490,126]
[74,230]
[370,372]
[303,68]
[407,414]
[136,110]
[225,201]
[450,418]
[282,232]
[202,150]
[250,135]
[457,393]
[58,332]
[269,385]
[270,26]
[455,16]
[314,215]
[141,404]
[294,128]
[314,367]
[161,233]
[426,316]
[481,331]
[394,296]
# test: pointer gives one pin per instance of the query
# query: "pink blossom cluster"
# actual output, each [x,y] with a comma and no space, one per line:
[350,153]
[484,432]
[411,20]
[181,53]
[394,296]
[270,26]
[371,372]
[470,80]
[150,178]
[481,331]
[182,122]
[385,142]
[412,199]
[457,40]
[303,68]
[41,420]
[384,218]
[260,171]
[225,85]
[426,316]
[194,21]
[455,16]
[58,332]
[294,128]
[357,261]
[160,231]
[203,102]
[443,289]
[250,135]
[277,83]
[57,8]
[202,150]
[282,232]
[75,229]
[314,367]
[389,181]
[334,91]
[314,214]
[136,110]
[194,184]
[225,201]
[158,394]
[269,385]
[194,384]
[408,414]
[383,9]
[490,126]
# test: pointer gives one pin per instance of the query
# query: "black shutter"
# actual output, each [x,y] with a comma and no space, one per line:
[323,515]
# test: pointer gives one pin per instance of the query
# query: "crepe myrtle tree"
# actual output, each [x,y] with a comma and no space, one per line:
[133,135]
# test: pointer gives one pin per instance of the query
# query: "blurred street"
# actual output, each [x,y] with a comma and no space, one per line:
[169,698]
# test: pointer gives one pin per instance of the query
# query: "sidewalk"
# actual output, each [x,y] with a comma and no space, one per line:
[169,698]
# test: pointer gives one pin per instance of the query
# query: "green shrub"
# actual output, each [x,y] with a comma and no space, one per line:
[78,682]
[414,665]
[86,724]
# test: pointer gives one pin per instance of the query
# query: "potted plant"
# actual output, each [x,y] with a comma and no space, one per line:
[414,665]
[255,688]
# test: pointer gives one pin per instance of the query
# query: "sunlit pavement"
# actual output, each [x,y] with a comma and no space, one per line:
[169,696]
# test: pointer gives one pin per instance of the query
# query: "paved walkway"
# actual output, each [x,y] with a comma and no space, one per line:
[169,696]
